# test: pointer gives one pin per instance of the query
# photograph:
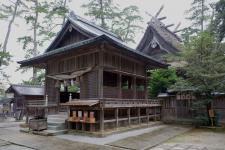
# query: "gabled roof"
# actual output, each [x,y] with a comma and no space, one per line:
[158,33]
[103,38]
[86,27]
[27,90]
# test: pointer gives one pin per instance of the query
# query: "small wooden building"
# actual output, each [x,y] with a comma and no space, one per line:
[21,94]
[111,77]
[177,106]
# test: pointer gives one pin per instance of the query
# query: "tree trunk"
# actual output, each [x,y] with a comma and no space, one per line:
[202,17]
[35,38]
[10,26]
[64,18]
[102,14]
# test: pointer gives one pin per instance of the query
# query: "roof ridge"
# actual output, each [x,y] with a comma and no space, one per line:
[162,25]
[76,17]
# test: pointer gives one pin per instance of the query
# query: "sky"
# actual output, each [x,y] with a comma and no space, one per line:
[174,10]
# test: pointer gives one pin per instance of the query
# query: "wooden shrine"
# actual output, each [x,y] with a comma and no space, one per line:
[110,77]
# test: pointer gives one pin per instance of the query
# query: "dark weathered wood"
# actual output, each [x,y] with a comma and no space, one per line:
[117,117]
[139,115]
[102,119]
[128,115]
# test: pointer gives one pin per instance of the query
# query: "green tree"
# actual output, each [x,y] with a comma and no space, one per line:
[219,22]
[103,11]
[160,80]
[9,13]
[42,18]
[126,24]
[123,22]
[205,70]
[198,14]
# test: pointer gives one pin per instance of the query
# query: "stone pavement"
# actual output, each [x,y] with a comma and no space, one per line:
[110,138]
[150,139]
[162,137]
[182,147]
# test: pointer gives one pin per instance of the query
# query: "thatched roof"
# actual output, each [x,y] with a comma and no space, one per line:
[158,40]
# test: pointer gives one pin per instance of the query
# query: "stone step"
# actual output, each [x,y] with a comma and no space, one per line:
[57,116]
[56,123]
[57,120]
[56,127]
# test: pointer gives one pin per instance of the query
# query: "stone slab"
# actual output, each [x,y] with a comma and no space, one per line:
[150,139]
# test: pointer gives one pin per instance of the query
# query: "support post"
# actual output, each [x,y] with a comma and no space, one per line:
[128,114]
[102,120]
[146,86]
[120,85]
[100,72]
[27,116]
[139,115]
[155,114]
[135,87]
[147,113]
[117,117]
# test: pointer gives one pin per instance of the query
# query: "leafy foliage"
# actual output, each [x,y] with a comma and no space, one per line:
[40,80]
[198,14]
[219,22]
[205,72]
[123,22]
[160,80]
[127,28]
[102,11]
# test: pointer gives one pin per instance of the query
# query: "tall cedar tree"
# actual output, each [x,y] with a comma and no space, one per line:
[198,14]
[108,15]
[220,19]
[42,18]
[9,13]
[103,11]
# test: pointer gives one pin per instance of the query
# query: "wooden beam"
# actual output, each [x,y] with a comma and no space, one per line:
[170,25]
[119,85]
[128,115]
[147,113]
[178,31]
[100,72]
[117,117]
[162,18]
[135,87]
[176,28]
[101,119]
[139,115]
[160,10]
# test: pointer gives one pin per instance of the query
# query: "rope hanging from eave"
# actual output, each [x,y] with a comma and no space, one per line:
[71,76]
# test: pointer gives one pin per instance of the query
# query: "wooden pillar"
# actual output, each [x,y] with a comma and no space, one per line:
[155,113]
[101,119]
[135,87]
[100,72]
[119,85]
[146,86]
[128,115]
[117,117]
[139,115]
[147,113]
[27,116]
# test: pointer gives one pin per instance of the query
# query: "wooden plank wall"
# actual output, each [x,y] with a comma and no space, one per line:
[71,37]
